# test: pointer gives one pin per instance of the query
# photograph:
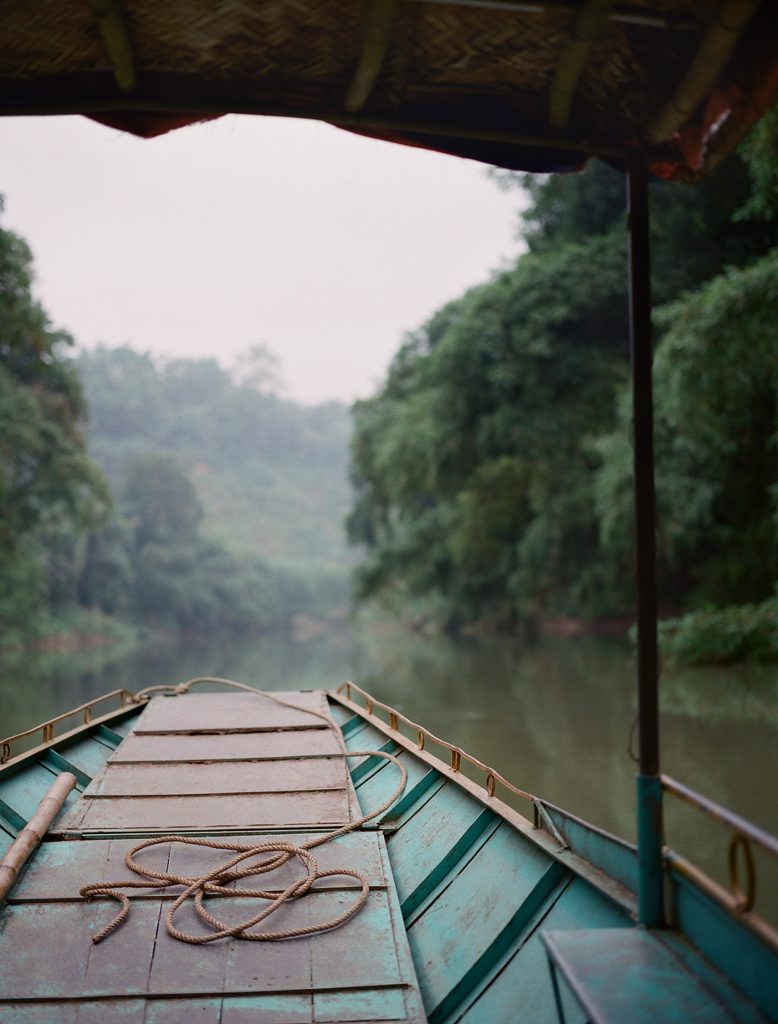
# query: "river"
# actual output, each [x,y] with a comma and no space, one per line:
[553,716]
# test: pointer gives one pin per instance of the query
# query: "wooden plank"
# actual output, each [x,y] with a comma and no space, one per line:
[479,901]
[59,870]
[214,712]
[179,967]
[524,980]
[372,1004]
[362,951]
[360,850]
[311,774]
[268,1008]
[117,1011]
[41,1013]
[257,810]
[236,747]
[47,952]
[620,974]
[179,1011]
[272,966]
[427,839]
[376,789]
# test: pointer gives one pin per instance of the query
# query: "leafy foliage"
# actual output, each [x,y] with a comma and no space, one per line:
[740,633]
[50,492]
[492,471]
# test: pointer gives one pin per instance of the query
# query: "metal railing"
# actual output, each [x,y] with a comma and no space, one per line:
[46,731]
[455,756]
[740,898]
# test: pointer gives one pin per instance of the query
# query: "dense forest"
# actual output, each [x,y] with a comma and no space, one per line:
[492,471]
[202,502]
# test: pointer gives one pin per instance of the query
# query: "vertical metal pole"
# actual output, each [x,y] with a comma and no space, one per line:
[649,789]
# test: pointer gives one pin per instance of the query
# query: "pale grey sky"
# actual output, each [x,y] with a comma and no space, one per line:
[323,245]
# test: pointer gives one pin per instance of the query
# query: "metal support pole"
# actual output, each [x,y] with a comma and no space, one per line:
[649,788]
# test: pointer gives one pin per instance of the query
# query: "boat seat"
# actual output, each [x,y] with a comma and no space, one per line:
[627,976]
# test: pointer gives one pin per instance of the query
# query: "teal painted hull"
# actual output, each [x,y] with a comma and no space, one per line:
[503,920]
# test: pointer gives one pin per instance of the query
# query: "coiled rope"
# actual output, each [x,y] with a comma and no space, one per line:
[218,882]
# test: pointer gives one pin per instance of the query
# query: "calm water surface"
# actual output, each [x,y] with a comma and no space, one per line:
[553,717]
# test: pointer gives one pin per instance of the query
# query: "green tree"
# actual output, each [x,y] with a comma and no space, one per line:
[49,488]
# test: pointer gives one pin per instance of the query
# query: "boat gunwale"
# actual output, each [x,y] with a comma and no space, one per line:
[11,766]
[616,891]
[673,862]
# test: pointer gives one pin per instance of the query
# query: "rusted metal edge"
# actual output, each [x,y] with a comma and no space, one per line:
[28,840]
[614,890]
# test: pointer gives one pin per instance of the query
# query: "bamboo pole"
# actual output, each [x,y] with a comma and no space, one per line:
[588,28]
[376,42]
[710,60]
[33,832]
[116,40]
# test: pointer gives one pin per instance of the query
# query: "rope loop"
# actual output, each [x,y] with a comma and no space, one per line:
[220,881]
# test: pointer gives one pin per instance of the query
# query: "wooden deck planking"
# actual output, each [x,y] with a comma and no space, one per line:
[373,1006]
[366,953]
[219,712]
[252,746]
[295,776]
[60,869]
[177,813]
[279,776]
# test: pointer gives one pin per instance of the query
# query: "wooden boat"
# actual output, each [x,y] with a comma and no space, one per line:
[476,911]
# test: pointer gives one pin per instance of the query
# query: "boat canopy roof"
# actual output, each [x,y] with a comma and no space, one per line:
[535,86]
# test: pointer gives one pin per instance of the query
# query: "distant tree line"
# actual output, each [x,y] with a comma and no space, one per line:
[120,529]
[492,471]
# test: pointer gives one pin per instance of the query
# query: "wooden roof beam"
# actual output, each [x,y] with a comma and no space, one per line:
[711,58]
[116,39]
[589,26]
[378,27]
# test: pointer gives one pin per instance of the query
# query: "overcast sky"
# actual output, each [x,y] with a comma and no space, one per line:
[322,245]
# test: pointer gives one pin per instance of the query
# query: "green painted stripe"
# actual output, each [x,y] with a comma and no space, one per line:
[113,739]
[7,826]
[14,819]
[371,765]
[352,725]
[453,856]
[414,794]
[57,763]
[502,945]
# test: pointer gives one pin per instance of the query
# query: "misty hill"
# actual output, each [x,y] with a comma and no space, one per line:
[271,474]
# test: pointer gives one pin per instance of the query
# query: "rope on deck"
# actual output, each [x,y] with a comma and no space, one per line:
[217,882]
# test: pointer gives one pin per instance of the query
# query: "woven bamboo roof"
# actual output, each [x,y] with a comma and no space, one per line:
[536,86]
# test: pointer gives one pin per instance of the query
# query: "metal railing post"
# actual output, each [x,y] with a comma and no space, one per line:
[649,787]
